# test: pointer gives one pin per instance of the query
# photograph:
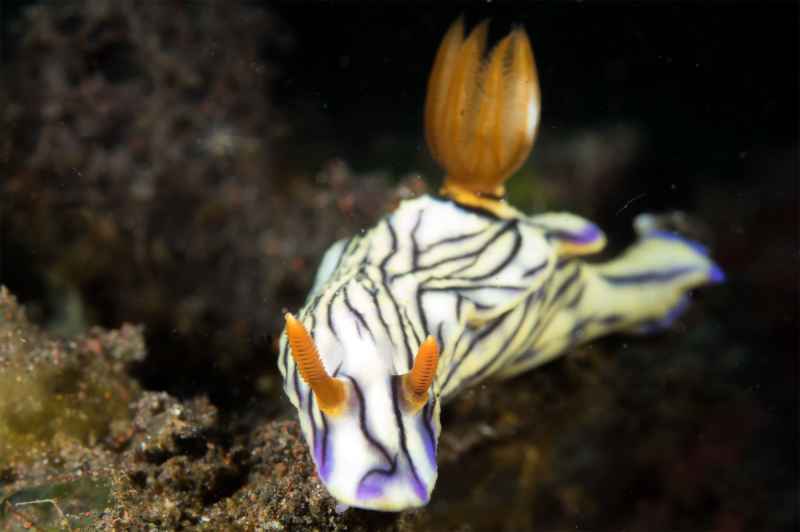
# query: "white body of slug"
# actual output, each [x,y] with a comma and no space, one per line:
[448,291]
[500,296]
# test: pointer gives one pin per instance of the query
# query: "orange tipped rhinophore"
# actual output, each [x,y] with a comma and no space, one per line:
[330,392]
[481,113]
[417,382]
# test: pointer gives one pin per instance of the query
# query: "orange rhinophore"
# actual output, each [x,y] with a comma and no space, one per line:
[481,113]
[417,382]
[329,391]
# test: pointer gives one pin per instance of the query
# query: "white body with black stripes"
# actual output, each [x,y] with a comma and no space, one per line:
[500,295]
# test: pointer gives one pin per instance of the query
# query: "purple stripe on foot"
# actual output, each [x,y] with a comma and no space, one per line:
[666,321]
[588,234]
[649,276]
[675,312]
[428,441]
[668,235]
[420,490]
[371,487]
[324,466]
[716,275]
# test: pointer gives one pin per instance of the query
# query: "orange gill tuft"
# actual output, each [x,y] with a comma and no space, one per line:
[481,113]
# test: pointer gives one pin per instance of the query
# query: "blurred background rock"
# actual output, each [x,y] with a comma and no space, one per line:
[144,183]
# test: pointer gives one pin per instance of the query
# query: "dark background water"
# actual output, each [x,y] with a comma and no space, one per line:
[707,81]
[711,94]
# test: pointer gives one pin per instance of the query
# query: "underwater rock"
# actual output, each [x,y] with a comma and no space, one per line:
[52,388]
[174,464]
[262,480]
[284,493]
[63,407]
[138,158]
[164,427]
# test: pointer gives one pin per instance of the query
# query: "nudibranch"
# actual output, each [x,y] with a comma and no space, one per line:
[455,288]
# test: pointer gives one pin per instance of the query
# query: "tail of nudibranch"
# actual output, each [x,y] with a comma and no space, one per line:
[481,113]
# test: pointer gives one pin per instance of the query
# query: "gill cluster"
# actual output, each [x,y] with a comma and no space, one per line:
[481,113]
[331,393]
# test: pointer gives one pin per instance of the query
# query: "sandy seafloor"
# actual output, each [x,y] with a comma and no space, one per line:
[172,173]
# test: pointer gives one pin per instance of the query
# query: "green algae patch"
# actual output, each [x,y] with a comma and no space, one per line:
[53,388]
[69,504]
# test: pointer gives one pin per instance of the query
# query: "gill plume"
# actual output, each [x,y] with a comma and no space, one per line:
[481,114]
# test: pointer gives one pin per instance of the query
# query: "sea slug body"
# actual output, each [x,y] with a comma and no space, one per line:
[452,289]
